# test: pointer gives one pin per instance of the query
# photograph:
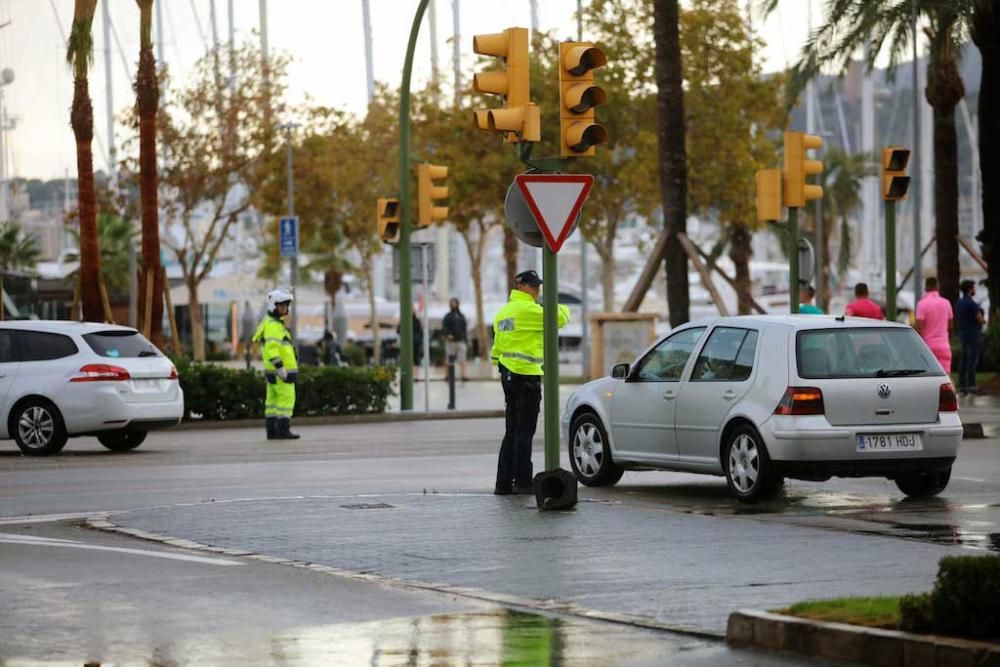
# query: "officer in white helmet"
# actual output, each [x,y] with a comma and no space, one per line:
[281,367]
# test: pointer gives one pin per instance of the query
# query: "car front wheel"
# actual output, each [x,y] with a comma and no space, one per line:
[38,428]
[121,441]
[924,484]
[749,472]
[590,454]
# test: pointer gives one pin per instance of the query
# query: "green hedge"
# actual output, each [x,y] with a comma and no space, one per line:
[219,393]
[964,602]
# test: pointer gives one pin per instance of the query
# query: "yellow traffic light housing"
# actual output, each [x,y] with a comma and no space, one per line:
[387,215]
[578,96]
[798,167]
[768,195]
[895,182]
[427,193]
[518,119]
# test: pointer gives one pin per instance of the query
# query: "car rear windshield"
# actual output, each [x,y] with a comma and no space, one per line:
[863,352]
[120,344]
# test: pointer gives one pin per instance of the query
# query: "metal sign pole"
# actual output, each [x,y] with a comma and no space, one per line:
[550,368]
[793,259]
[890,261]
[427,332]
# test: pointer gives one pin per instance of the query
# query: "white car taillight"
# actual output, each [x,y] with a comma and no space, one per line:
[101,373]
[173,373]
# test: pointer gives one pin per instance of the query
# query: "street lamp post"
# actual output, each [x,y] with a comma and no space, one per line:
[294,260]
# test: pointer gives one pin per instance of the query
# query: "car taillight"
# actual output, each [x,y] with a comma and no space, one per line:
[800,401]
[947,401]
[101,373]
[173,373]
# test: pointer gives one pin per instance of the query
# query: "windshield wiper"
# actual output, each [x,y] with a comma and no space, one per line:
[148,353]
[898,372]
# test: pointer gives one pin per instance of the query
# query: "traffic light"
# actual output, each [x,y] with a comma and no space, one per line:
[798,167]
[895,182]
[518,119]
[577,98]
[427,193]
[768,195]
[387,214]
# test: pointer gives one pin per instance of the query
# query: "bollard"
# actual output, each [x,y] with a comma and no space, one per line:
[555,490]
[451,381]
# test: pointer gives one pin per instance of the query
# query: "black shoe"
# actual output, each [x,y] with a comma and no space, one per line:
[285,430]
[501,490]
[271,424]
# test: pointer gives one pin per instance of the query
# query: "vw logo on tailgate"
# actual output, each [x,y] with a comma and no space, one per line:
[884,391]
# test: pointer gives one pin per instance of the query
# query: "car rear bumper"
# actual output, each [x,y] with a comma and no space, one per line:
[103,410]
[811,439]
[821,470]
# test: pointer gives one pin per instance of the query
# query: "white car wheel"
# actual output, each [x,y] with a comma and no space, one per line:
[38,428]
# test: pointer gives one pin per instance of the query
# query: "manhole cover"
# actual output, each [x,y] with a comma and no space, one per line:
[369,506]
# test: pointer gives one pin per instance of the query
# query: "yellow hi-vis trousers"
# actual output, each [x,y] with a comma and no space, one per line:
[280,399]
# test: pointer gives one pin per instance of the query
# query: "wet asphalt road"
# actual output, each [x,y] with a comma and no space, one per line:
[118,604]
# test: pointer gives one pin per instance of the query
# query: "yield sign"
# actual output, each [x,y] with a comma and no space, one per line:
[555,200]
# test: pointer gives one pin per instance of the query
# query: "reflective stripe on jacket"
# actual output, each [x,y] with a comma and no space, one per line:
[277,350]
[517,334]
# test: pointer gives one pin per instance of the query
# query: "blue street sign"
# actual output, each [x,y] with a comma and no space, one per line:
[289,236]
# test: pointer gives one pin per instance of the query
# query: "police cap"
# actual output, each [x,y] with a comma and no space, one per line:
[529,277]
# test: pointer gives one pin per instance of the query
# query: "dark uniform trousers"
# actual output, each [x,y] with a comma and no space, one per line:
[523,395]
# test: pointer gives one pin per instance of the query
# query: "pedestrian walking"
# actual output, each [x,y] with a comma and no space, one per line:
[934,322]
[518,352]
[456,333]
[862,306]
[970,319]
[281,366]
[806,295]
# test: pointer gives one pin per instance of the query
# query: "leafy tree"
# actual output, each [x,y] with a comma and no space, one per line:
[115,235]
[213,144]
[18,251]
[851,24]
[841,180]
[79,55]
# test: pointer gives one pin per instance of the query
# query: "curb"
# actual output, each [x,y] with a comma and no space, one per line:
[854,643]
[328,420]
[101,521]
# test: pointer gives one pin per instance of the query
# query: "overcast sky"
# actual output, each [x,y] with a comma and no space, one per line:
[324,38]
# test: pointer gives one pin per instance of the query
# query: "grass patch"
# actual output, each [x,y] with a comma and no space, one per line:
[876,612]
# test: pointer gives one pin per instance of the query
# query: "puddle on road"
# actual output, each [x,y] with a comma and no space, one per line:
[500,637]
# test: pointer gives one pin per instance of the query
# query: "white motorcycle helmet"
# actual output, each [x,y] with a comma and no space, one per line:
[276,296]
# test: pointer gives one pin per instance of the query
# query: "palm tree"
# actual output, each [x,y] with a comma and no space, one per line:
[842,176]
[672,156]
[115,236]
[17,252]
[147,99]
[79,54]
[852,24]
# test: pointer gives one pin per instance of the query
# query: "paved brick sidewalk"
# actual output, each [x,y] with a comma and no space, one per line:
[672,569]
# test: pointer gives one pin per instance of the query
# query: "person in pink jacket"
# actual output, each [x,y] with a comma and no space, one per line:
[935,320]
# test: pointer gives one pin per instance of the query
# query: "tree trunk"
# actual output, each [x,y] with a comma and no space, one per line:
[740,251]
[477,288]
[944,91]
[823,291]
[197,323]
[672,155]
[333,280]
[510,255]
[607,280]
[985,28]
[82,122]
[147,102]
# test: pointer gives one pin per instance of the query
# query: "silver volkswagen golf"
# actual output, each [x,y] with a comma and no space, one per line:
[758,399]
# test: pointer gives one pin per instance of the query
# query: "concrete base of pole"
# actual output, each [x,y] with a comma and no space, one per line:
[555,490]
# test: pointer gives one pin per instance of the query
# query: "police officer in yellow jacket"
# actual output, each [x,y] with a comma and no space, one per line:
[280,366]
[517,351]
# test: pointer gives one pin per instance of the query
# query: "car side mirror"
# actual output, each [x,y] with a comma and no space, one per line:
[620,371]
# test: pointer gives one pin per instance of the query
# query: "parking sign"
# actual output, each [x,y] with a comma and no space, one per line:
[288,229]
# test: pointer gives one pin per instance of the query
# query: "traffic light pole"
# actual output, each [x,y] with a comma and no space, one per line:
[406,223]
[890,260]
[793,259]
[550,366]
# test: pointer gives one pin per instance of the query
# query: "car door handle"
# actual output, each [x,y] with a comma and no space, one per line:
[729,394]
[669,395]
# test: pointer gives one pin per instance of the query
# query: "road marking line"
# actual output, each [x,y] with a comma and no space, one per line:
[45,518]
[31,540]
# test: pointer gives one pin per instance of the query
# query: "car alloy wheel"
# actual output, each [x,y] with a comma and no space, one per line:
[744,463]
[36,427]
[588,449]
[590,454]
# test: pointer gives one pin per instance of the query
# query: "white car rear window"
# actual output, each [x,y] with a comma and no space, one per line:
[121,344]
[863,352]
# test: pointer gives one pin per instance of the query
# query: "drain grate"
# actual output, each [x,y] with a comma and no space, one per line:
[369,506]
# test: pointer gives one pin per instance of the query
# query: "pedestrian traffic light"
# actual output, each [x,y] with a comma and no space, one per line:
[895,182]
[798,167]
[768,195]
[387,214]
[577,98]
[518,119]
[427,193]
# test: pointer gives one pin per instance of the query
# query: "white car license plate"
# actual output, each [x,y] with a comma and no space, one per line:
[146,385]
[890,442]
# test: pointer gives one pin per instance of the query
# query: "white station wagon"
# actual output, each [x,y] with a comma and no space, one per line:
[757,399]
[65,379]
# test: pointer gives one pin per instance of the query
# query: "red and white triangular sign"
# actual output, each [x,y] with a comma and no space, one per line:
[555,200]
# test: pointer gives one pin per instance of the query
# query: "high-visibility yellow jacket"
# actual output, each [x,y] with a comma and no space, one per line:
[278,349]
[517,334]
